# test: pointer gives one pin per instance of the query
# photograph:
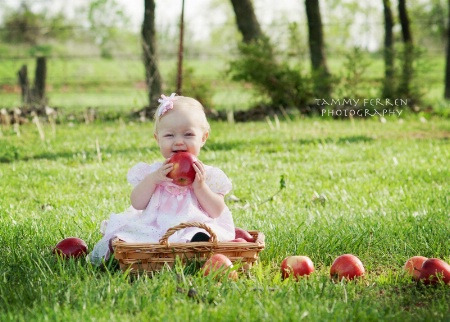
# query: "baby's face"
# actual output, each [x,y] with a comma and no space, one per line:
[180,130]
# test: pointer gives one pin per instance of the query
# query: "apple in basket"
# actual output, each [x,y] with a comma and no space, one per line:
[238,240]
[296,266]
[242,233]
[183,173]
[346,266]
[71,247]
[217,264]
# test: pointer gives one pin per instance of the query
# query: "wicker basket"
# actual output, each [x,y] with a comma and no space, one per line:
[152,257]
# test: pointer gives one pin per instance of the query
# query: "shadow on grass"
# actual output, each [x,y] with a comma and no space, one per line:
[337,140]
[11,153]
[246,144]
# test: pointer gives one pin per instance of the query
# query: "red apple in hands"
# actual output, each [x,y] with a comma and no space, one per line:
[346,266]
[71,247]
[433,270]
[183,173]
[296,266]
[218,264]
[413,266]
[242,233]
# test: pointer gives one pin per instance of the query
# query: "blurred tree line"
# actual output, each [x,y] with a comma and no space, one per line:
[276,69]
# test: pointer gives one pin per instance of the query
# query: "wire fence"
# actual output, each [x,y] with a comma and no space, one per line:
[92,69]
[73,63]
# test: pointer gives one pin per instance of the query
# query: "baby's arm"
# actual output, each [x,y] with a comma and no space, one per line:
[211,202]
[143,191]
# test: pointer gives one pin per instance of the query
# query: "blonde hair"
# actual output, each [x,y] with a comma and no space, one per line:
[184,102]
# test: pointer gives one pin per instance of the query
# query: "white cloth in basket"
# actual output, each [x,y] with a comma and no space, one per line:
[169,206]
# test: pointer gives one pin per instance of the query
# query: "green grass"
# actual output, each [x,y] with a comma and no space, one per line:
[384,196]
[113,86]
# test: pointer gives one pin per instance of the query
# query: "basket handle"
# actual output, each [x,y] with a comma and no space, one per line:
[165,239]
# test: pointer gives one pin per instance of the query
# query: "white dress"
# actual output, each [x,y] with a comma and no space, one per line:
[169,206]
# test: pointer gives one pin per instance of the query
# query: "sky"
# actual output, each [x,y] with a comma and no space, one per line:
[168,9]
[201,10]
[201,13]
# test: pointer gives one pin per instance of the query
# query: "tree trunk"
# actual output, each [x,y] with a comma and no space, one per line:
[408,55]
[404,21]
[447,67]
[180,53]
[388,86]
[152,75]
[24,84]
[39,80]
[246,20]
[321,74]
[35,95]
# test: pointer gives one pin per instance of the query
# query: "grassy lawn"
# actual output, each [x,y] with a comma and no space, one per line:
[377,190]
[117,86]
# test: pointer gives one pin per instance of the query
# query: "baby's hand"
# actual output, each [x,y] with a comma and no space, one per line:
[160,175]
[200,174]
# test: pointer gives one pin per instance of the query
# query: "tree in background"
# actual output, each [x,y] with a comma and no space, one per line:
[275,78]
[23,26]
[152,75]
[36,29]
[246,20]
[106,19]
[388,84]
[447,67]
[431,32]
[278,71]
[259,64]
[320,74]
[404,88]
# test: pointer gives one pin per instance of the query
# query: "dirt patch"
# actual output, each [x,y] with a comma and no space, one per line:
[12,89]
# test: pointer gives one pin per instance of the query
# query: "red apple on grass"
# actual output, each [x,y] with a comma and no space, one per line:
[215,263]
[218,264]
[242,233]
[413,266]
[71,247]
[346,266]
[296,266]
[183,173]
[434,270]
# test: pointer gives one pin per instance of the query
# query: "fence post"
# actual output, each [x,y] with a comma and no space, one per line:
[24,84]
[39,80]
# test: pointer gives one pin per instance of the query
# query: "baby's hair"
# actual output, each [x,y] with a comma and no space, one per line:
[184,102]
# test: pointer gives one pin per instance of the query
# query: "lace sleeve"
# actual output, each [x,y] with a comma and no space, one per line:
[137,173]
[218,181]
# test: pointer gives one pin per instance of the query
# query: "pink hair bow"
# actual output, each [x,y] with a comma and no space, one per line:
[166,103]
